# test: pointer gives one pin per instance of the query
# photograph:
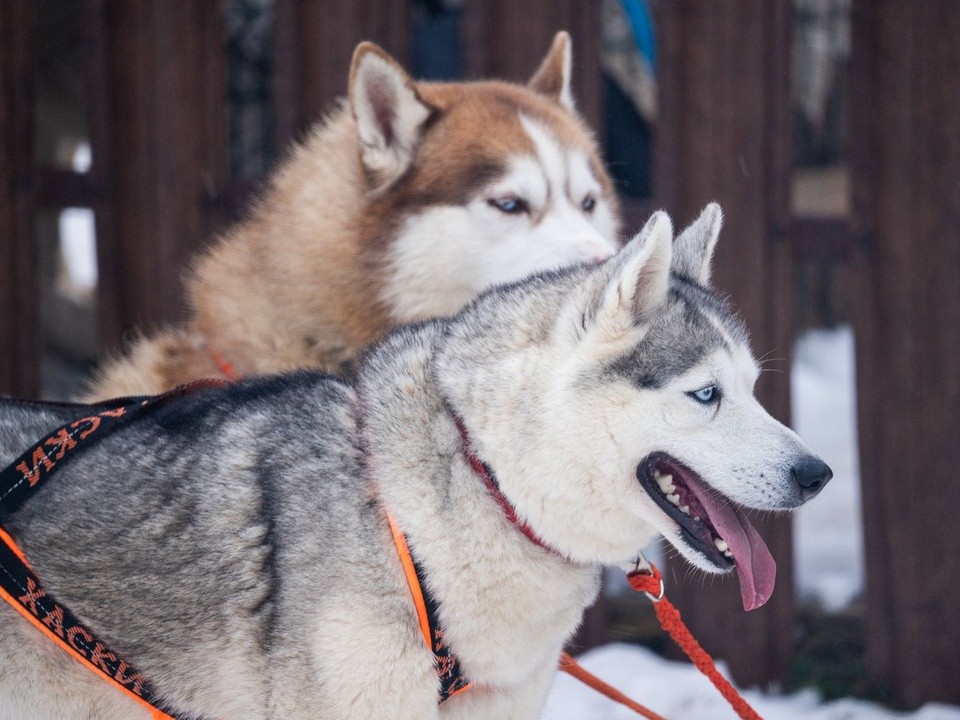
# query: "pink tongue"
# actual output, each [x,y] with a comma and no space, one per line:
[755,565]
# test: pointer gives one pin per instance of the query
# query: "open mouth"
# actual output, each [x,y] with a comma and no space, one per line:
[711,524]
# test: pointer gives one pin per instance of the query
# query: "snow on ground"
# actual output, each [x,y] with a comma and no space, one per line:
[828,538]
[679,692]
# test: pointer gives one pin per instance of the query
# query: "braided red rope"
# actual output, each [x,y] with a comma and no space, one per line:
[651,582]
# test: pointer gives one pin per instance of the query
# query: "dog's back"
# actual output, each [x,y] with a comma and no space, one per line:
[210,500]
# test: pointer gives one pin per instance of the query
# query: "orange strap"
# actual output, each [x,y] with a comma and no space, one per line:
[416,592]
[576,670]
[155,713]
[19,584]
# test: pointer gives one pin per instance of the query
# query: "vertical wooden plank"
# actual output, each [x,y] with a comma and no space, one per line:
[906,190]
[163,156]
[724,134]
[507,40]
[95,39]
[19,295]
[313,45]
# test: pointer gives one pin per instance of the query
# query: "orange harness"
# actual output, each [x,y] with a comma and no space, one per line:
[449,672]
[22,588]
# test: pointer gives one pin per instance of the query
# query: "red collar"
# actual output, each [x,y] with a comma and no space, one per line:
[483,471]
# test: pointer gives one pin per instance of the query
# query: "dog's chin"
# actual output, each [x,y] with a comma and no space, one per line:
[696,538]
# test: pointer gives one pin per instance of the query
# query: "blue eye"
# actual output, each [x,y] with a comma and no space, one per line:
[707,396]
[510,205]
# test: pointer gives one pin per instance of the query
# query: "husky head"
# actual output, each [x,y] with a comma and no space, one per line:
[475,184]
[616,402]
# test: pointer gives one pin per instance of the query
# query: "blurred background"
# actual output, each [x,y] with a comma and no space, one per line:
[829,130]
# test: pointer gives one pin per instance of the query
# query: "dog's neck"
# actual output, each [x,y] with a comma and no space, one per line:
[456,529]
[486,476]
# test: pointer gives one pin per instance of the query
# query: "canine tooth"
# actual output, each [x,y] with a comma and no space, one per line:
[721,545]
[685,509]
[675,499]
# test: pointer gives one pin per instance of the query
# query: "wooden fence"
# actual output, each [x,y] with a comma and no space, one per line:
[159,187]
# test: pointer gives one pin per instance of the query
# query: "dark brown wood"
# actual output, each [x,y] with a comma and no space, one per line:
[822,238]
[19,292]
[724,134]
[96,52]
[636,212]
[313,45]
[507,40]
[159,151]
[65,188]
[905,134]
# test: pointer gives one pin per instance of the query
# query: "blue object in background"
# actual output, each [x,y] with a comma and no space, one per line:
[641,22]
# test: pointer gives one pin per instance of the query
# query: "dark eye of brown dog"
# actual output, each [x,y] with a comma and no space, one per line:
[588,203]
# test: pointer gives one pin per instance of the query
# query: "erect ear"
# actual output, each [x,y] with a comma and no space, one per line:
[693,248]
[390,114]
[640,279]
[552,78]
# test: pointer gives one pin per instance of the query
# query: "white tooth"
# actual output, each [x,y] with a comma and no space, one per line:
[672,488]
[668,478]
[675,499]
[697,518]
[685,509]
[728,553]
[656,473]
[721,545]
[664,484]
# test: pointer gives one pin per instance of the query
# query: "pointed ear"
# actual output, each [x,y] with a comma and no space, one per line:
[640,279]
[552,78]
[390,114]
[693,248]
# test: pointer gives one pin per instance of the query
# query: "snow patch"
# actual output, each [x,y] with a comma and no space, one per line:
[828,534]
[678,690]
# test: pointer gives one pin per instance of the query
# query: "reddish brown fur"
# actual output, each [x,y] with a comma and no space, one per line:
[297,283]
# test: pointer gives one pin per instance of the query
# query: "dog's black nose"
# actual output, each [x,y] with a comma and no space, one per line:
[811,474]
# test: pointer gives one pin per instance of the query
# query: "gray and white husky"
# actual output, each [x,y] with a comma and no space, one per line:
[233,545]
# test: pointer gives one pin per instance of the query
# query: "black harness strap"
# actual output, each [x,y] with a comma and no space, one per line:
[453,680]
[21,587]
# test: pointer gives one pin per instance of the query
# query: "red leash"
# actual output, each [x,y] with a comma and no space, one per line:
[651,582]
[576,670]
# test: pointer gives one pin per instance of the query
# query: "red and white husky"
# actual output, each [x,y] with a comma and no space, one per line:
[410,199]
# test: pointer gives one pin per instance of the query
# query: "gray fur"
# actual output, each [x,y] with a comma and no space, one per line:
[681,336]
